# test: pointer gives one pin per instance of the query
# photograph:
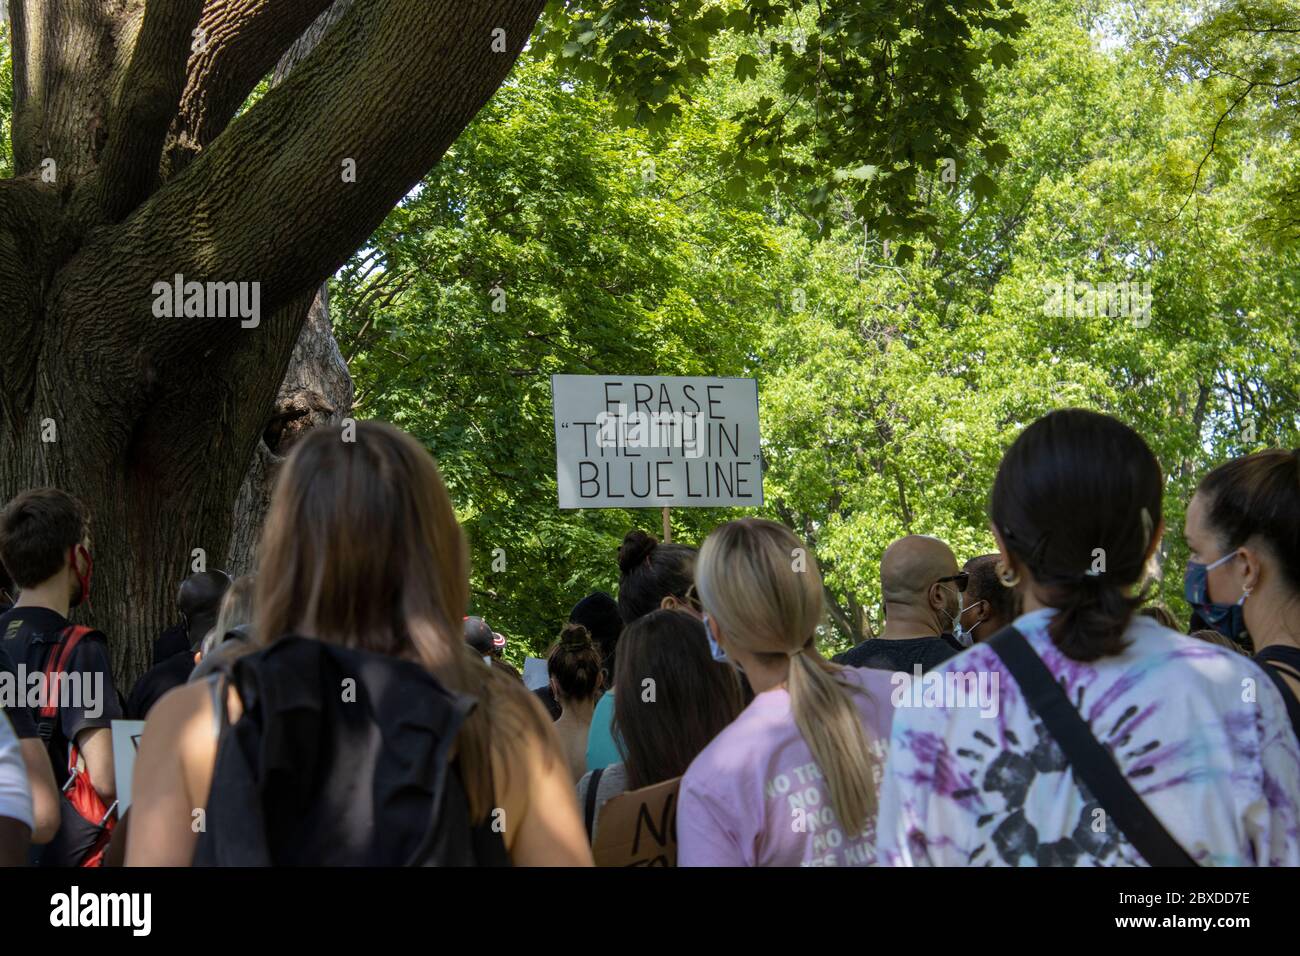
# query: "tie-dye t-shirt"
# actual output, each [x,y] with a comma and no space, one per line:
[1199,731]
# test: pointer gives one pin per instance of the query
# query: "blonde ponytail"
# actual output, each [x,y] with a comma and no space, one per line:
[832,728]
[747,580]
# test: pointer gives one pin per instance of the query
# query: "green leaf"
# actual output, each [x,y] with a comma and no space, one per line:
[739,21]
[864,173]
[1002,53]
[996,153]
[983,186]
[746,66]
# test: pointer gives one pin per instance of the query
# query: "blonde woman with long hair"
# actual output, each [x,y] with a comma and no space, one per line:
[792,781]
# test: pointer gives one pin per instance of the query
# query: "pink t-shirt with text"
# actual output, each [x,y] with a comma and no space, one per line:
[756,797]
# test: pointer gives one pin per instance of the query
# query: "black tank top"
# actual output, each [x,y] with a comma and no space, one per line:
[1279,659]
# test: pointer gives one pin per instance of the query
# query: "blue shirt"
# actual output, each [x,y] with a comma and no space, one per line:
[601,749]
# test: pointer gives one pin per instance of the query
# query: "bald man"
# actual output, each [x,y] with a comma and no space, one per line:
[198,599]
[922,590]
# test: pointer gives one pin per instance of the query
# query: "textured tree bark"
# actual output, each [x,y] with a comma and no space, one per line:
[153,419]
[237,44]
[317,389]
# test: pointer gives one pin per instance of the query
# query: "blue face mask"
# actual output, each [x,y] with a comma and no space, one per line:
[718,653]
[1228,619]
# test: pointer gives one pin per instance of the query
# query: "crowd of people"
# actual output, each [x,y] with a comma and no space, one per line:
[1026,707]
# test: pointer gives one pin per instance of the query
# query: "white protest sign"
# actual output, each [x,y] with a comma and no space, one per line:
[536,674]
[126,741]
[630,441]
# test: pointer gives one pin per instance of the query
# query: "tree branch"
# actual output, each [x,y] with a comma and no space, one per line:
[391,86]
[1209,151]
[838,615]
[144,103]
[27,214]
[27,44]
[68,55]
[242,41]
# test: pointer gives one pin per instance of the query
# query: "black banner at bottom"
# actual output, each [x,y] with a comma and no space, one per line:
[358,907]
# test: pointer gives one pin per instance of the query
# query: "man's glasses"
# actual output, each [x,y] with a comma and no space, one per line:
[961,579]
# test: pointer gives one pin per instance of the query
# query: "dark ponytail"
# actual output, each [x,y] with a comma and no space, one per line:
[649,572]
[1092,615]
[574,662]
[1258,496]
[1077,500]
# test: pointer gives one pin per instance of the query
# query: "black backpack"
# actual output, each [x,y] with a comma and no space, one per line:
[341,758]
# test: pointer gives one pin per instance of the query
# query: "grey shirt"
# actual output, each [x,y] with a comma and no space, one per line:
[613,781]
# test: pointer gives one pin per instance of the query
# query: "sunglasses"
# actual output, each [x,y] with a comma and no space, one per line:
[961,579]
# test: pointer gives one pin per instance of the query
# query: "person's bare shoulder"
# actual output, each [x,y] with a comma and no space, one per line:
[176,710]
[183,724]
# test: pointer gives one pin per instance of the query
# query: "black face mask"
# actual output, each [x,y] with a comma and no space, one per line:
[198,626]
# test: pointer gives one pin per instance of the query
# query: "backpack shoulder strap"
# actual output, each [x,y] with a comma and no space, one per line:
[1281,657]
[1089,758]
[57,663]
[592,786]
[220,715]
[1277,660]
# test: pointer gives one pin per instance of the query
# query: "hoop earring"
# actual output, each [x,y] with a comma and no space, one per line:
[1007,578]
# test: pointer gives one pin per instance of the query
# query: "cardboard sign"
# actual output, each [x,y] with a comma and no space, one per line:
[627,441]
[639,828]
[126,742]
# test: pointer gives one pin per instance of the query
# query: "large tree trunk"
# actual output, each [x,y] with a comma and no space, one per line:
[132,168]
[317,389]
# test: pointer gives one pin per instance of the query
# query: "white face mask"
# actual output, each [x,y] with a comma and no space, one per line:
[957,631]
[963,637]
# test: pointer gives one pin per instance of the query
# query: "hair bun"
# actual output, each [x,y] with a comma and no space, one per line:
[636,547]
[575,636]
[574,662]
